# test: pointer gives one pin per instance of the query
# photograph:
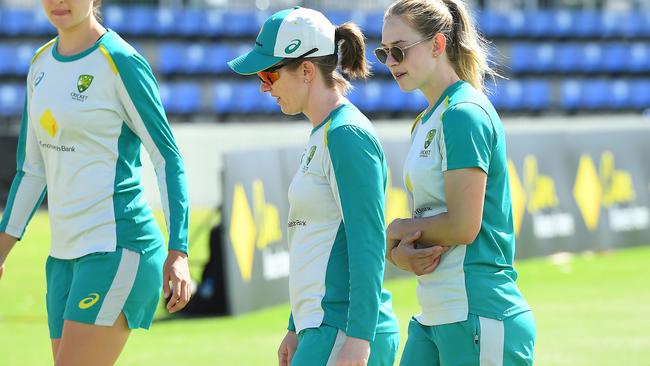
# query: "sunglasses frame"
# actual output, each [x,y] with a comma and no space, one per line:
[394,49]
[272,72]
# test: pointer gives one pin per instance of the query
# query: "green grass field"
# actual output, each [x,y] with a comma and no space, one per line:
[591,310]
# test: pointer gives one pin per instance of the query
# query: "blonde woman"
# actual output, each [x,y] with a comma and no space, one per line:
[92,102]
[472,312]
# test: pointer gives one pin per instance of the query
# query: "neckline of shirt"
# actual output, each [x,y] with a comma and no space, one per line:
[331,115]
[450,89]
[59,57]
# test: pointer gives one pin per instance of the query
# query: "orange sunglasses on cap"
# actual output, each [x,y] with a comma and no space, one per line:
[271,75]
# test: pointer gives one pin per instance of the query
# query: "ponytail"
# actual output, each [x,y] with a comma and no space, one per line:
[353,50]
[467,50]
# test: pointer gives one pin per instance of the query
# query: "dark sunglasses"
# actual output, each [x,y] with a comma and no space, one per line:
[271,75]
[398,53]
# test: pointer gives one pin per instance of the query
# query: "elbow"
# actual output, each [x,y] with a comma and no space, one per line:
[465,234]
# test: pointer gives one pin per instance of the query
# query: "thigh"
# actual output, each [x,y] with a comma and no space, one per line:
[383,350]
[85,344]
[317,346]
[420,349]
[106,285]
[519,335]
[58,274]
[460,343]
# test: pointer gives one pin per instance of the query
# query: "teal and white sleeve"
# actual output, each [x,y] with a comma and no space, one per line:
[29,185]
[358,184]
[468,137]
[138,92]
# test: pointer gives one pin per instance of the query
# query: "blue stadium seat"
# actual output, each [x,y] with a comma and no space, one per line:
[374,22]
[512,94]
[22,58]
[241,23]
[337,17]
[115,17]
[639,57]
[544,57]
[213,23]
[522,57]
[592,57]
[247,98]
[11,99]
[634,25]
[562,23]
[640,94]
[645,23]
[617,57]
[190,21]
[595,94]
[493,23]
[572,91]
[139,19]
[537,24]
[568,58]
[166,97]
[6,59]
[587,23]
[194,59]
[493,96]
[536,94]
[165,21]
[622,24]
[356,95]
[218,56]
[170,58]
[181,98]
[17,21]
[375,97]
[187,98]
[619,94]
[223,96]
[610,24]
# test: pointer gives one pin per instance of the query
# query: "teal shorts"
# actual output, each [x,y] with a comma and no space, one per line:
[97,287]
[320,347]
[477,341]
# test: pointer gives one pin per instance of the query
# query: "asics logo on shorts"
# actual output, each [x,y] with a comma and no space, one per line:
[89,301]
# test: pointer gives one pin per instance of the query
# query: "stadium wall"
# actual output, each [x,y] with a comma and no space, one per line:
[575,186]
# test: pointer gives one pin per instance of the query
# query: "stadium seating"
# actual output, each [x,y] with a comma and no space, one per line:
[11,99]
[554,59]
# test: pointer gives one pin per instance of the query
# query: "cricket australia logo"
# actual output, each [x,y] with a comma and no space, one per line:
[84,81]
[310,156]
[427,142]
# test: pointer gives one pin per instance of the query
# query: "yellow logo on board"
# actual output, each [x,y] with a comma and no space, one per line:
[48,123]
[617,184]
[587,192]
[610,188]
[540,188]
[89,301]
[250,229]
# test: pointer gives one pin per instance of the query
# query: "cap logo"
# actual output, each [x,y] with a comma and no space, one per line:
[293,46]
